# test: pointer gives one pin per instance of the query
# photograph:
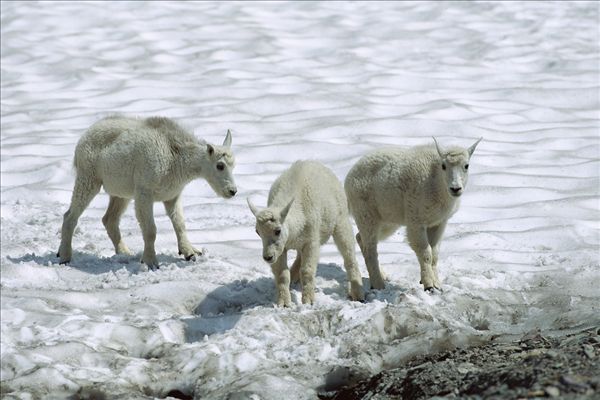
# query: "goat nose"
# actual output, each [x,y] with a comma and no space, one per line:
[455,190]
[268,258]
[232,192]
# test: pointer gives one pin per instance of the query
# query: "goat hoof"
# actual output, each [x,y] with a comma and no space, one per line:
[190,254]
[152,265]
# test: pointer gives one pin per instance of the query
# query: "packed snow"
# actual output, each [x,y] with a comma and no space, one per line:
[327,81]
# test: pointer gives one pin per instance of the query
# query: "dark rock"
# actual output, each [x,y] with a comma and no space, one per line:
[588,350]
[535,366]
[178,394]
[577,382]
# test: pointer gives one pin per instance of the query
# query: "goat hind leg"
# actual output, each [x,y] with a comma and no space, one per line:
[367,241]
[344,241]
[145,216]
[86,188]
[116,208]
[295,269]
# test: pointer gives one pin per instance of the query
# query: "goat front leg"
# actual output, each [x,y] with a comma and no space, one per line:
[308,270]
[282,281]
[417,238]
[174,210]
[434,234]
[145,215]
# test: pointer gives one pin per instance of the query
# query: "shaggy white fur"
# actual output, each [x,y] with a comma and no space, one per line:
[306,206]
[418,188]
[148,160]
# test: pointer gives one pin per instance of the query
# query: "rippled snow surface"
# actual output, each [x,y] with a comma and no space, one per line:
[322,80]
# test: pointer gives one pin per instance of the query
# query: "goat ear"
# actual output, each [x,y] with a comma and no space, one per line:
[437,147]
[252,207]
[210,149]
[227,141]
[286,210]
[472,148]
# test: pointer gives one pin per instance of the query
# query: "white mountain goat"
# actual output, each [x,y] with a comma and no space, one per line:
[419,188]
[148,160]
[306,206]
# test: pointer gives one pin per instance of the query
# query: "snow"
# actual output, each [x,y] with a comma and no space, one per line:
[292,80]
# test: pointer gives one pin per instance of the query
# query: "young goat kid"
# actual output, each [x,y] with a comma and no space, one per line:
[419,188]
[148,160]
[306,206]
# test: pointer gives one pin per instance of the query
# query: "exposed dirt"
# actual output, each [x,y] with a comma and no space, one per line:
[536,366]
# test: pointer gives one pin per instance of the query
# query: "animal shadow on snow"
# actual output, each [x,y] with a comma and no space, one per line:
[96,265]
[222,308]
[335,272]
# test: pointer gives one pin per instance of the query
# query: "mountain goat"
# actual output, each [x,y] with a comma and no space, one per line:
[148,160]
[306,206]
[419,188]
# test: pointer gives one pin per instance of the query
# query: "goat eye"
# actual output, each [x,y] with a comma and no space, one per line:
[277,232]
[467,166]
[220,166]
[444,167]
